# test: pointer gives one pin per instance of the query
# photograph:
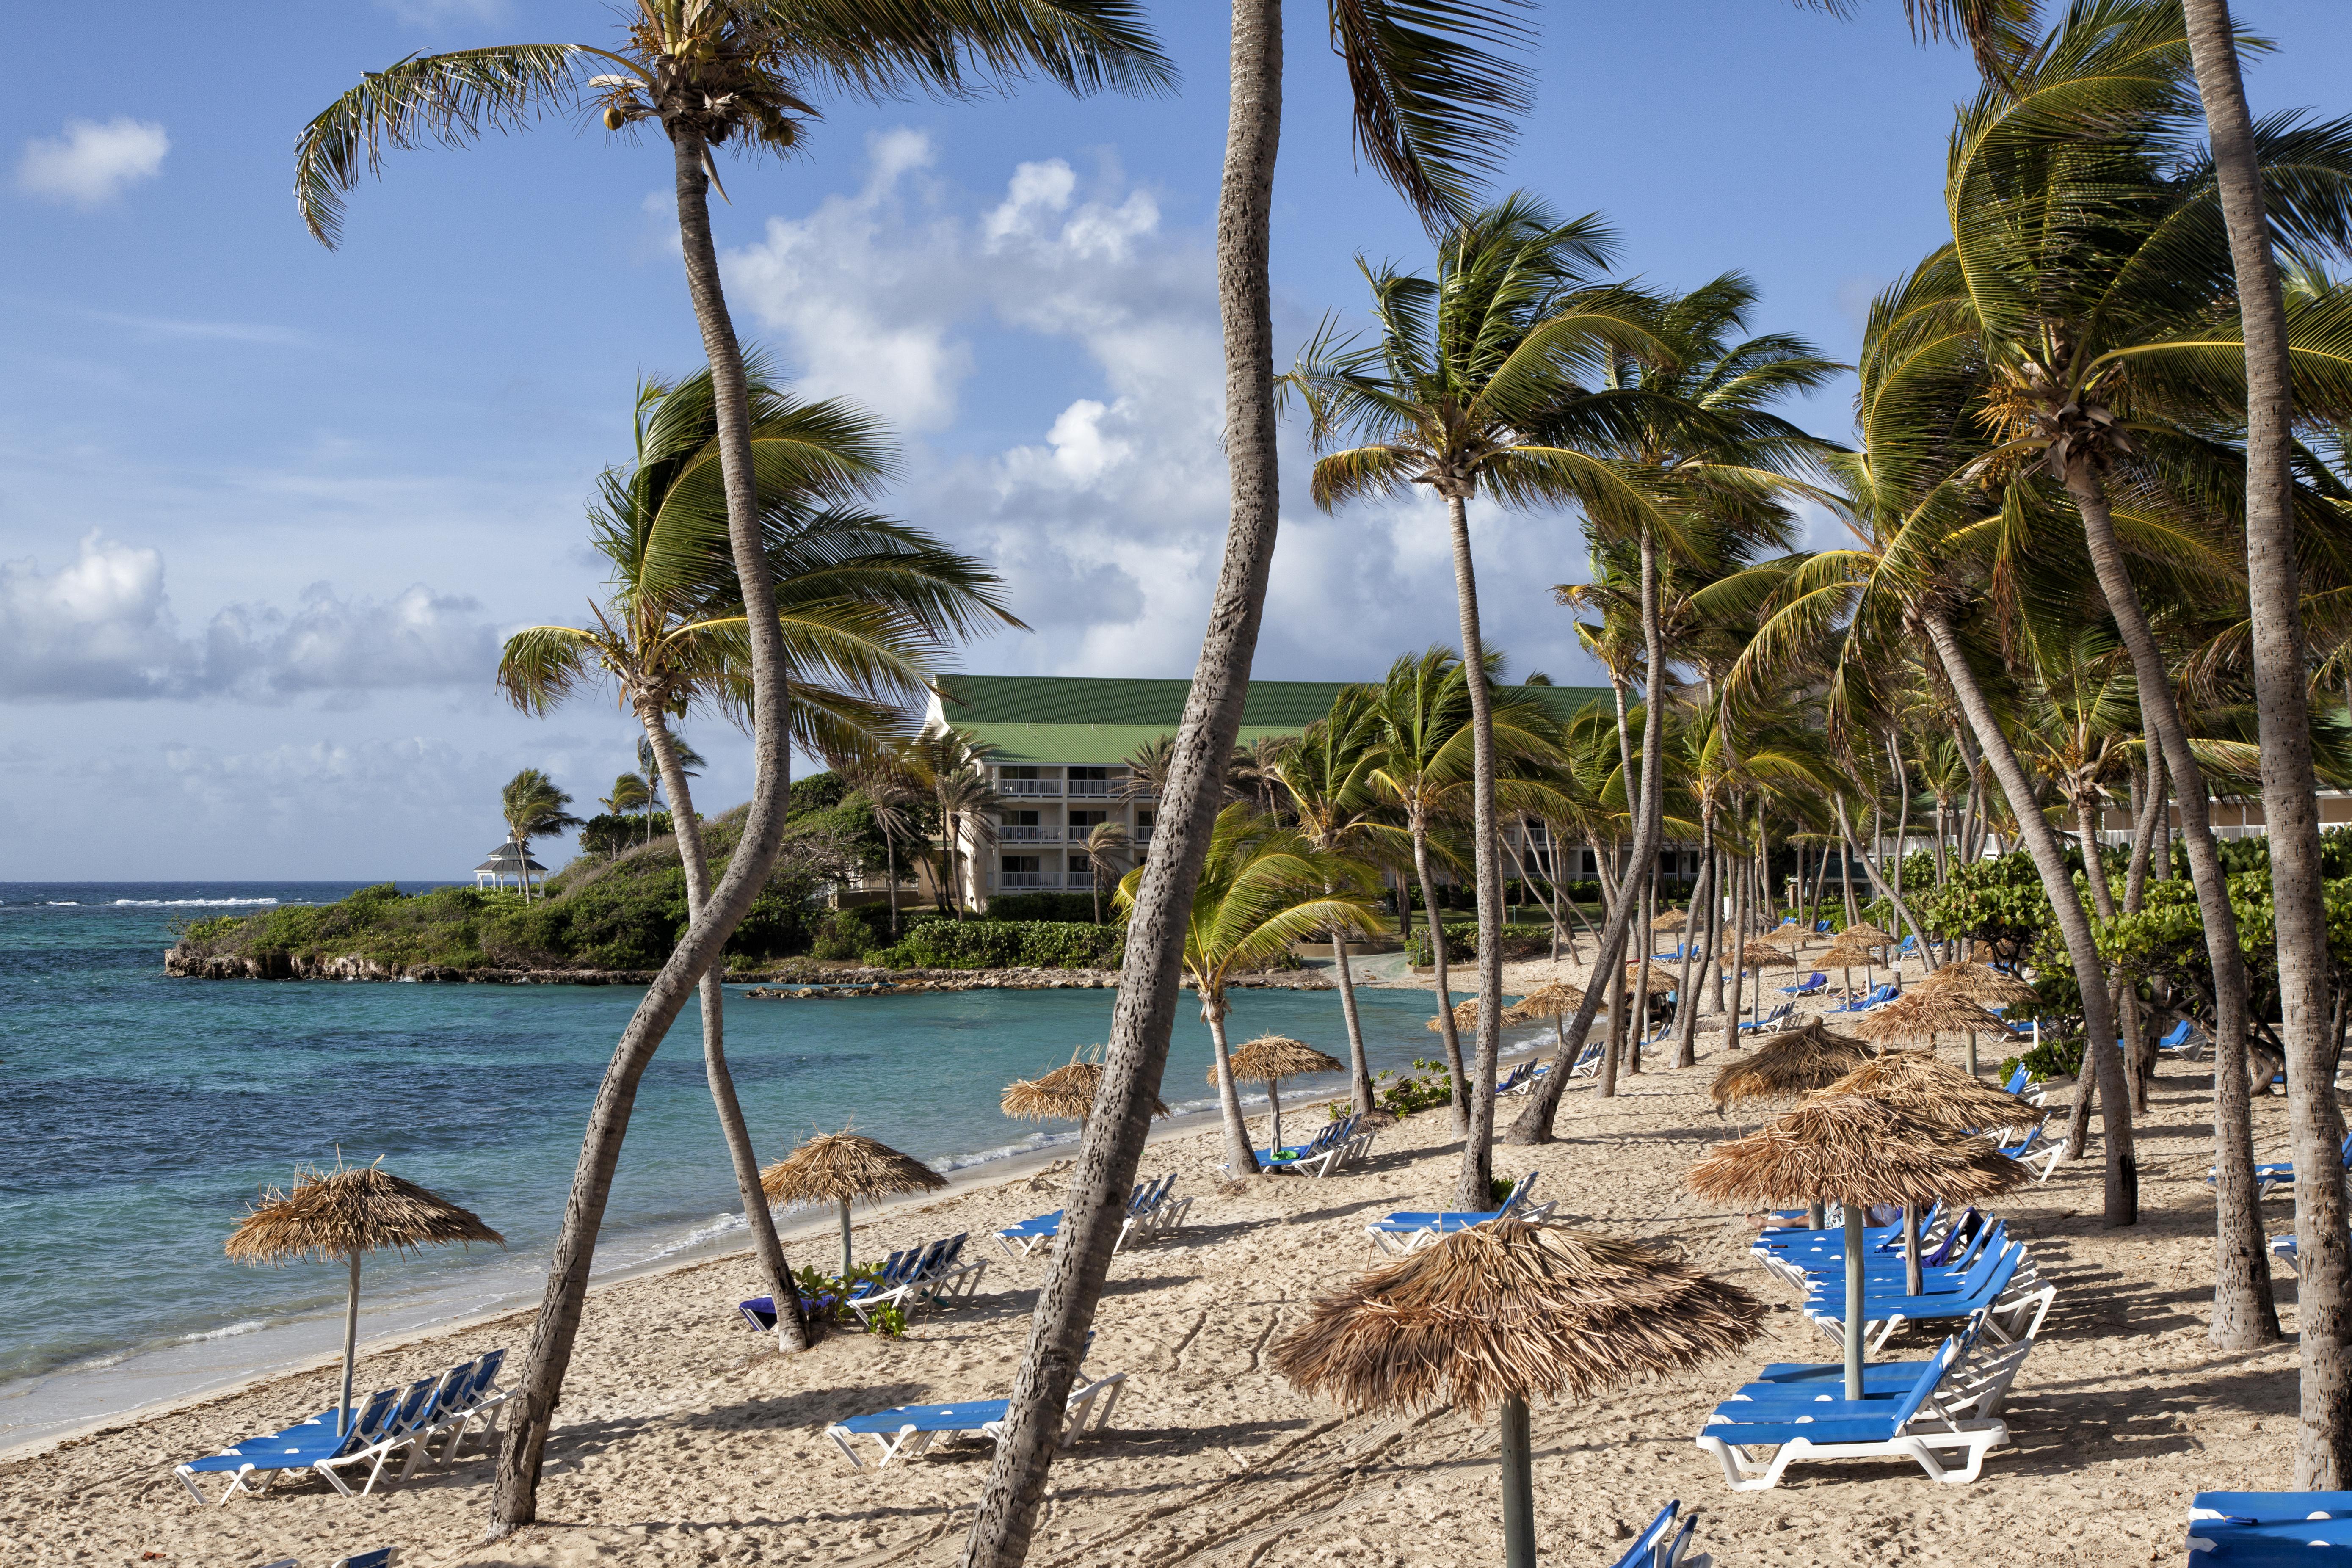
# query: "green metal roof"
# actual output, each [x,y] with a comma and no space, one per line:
[1063,720]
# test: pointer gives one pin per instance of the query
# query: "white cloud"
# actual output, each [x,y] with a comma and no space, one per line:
[92,164]
[101,626]
[1109,520]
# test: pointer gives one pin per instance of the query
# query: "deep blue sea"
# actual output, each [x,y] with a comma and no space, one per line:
[141,1114]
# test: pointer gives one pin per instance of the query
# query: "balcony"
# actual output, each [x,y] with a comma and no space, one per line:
[1089,789]
[1048,834]
[1024,879]
[1030,789]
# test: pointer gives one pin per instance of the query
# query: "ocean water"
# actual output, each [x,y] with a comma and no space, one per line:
[142,1114]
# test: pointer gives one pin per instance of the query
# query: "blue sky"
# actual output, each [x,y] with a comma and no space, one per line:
[267,510]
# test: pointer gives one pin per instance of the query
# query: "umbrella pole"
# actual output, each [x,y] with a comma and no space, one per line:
[845,1238]
[1518,1487]
[1913,1284]
[350,1347]
[1814,1220]
[1972,1052]
[1854,1213]
[1273,1105]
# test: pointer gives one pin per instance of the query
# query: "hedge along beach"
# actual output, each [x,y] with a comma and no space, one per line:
[131,1162]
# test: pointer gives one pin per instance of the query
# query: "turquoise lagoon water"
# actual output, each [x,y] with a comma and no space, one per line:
[142,1114]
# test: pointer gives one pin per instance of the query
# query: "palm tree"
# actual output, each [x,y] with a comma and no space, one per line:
[1460,373]
[1431,101]
[1262,887]
[629,794]
[883,776]
[864,606]
[533,805]
[709,71]
[2290,785]
[1328,777]
[953,767]
[1255,772]
[1106,844]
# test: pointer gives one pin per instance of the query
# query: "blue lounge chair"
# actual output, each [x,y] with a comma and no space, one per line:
[1335,1144]
[305,1445]
[1821,928]
[1410,1230]
[1150,1212]
[1878,997]
[2258,1529]
[1663,1546]
[382,1557]
[2270,1178]
[1756,1441]
[1812,984]
[1776,1018]
[2002,1282]
[909,1429]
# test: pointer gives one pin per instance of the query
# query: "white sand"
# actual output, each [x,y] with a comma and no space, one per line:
[686,1439]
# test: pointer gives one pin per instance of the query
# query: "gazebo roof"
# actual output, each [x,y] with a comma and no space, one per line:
[505,857]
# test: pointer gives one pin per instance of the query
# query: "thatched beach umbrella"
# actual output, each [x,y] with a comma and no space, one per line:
[1065,1094]
[1465,1016]
[1550,1000]
[1843,954]
[1866,932]
[345,1213]
[1920,1086]
[1673,919]
[1794,1063]
[1270,1058]
[1856,1152]
[1920,1014]
[1981,984]
[1506,1312]
[837,1167]
[1788,933]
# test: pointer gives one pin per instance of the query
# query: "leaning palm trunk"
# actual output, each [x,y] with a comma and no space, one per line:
[792,1329]
[1145,1012]
[1459,1111]
[1533,1125]
[2103,1061]
[1687,988]
[1240,1158]
[2249,1317]
[516,1500]
[2290,800]
[1359,1065]
[1472,1191]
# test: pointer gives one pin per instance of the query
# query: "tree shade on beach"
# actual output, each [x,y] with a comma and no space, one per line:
[347,1213]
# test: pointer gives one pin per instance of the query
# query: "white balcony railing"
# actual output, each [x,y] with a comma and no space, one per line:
[1024,834]
[1030,789]
[1089,789]
[1022,879]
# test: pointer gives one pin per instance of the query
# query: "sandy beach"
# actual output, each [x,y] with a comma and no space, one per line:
[684,1438]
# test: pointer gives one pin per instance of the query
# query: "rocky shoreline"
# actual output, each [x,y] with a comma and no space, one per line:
[795,983]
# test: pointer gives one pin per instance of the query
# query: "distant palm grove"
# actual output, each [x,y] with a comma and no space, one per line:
[2091,571]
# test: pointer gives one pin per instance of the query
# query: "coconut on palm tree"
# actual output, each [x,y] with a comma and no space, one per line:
[1262,887]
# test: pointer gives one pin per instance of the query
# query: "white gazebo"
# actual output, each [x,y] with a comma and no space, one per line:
[507,861]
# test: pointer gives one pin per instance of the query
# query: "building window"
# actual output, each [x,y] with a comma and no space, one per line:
[1021,827]
[1089,781]
[1081,869]
[1082,820]
[1022,871]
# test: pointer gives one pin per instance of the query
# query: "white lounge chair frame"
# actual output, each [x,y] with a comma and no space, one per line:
[1975,1439]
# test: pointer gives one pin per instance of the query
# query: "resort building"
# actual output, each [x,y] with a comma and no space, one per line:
[1060,751]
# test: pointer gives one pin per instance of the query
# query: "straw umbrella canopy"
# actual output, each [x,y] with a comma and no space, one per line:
[346,1213]
[1551,1000]
[1856,1151]
[1922,1013]
[1866,932]
[1981,984]
[1270,1058]
[1846,951]
[1788,933]
[1792,1064]
[1065,1094]
[837,1167]
[1465,1016]
[1506,1312]
[1673,919]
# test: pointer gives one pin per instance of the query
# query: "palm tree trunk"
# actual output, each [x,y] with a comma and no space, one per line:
[1735,960]
[516,1500]
[2252,1318]
[1685,995]
[1359,1064]
[1474,1187]
[890,858]
[1240,1158]
[1145,1012]
[792,1329]
[1534,1124]
[2290,799]
[2103,1061]
[2149,788]
[1459,1113]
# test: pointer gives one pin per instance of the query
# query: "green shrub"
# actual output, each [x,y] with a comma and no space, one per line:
[609,833]
[1432,1086]
[1461,943]
[1006,945]
[1077,908]
[2053,1058]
